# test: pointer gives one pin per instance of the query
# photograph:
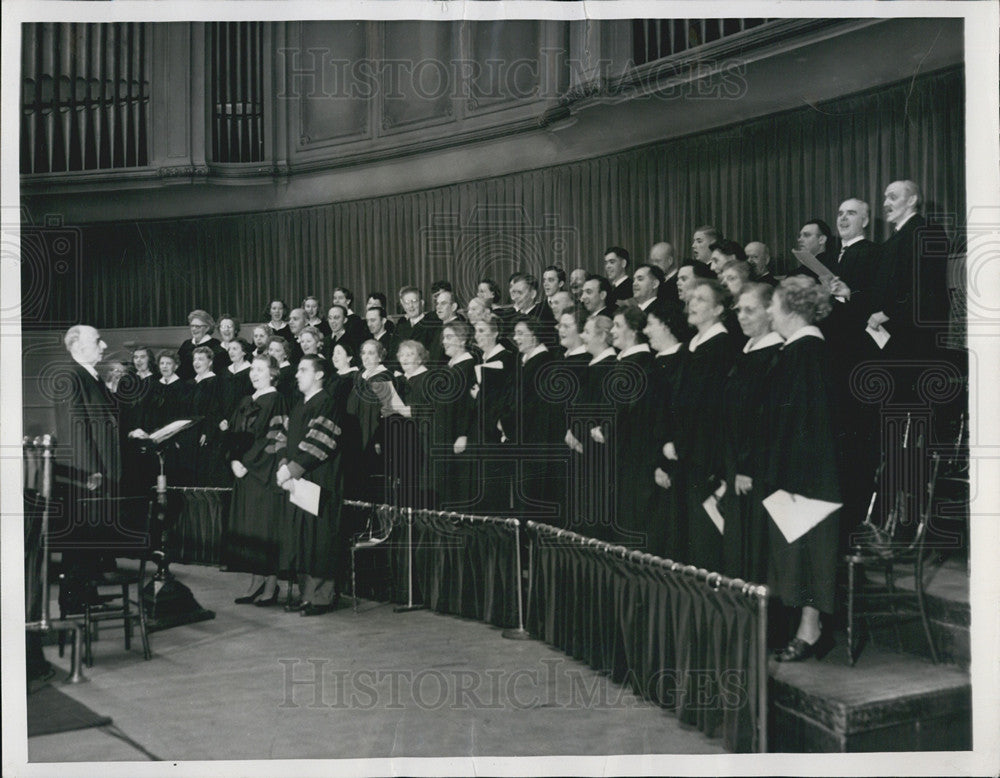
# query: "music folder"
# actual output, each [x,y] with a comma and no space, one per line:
[794,514]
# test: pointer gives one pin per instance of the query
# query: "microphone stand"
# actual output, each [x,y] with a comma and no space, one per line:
[168,602]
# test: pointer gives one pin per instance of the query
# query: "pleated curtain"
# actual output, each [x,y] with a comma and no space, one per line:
[758,180]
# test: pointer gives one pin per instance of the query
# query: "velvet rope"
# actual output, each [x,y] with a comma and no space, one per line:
[688,640]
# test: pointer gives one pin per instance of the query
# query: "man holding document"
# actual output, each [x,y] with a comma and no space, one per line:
[311,546]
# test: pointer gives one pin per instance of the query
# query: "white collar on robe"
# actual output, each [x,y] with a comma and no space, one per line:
[638,348]
[173,378]
[608,352]
[581,349]
[497,349]
[716,329]
[380,368]
[539,349]
[199,378]
[262,392]
[764,341]
[809,331]
[460,358]
[670,350]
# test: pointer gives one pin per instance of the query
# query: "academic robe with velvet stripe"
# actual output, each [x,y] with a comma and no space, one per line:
[744,539]
[310,545]
[257,440]
[801,458]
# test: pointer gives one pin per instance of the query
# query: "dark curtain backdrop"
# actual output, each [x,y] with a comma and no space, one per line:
[756,181]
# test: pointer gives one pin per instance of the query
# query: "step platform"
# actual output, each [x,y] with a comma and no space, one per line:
[888,701]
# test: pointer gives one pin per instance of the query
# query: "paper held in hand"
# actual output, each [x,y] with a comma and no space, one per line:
[711,506]
[821,270]
[169,430]
[795,515]
[305,495]
[879,335]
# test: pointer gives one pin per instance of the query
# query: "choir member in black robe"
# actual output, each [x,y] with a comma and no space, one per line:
[278,324]
[337,319]
[167,401]
[277,347]
[744,536]
[596,482]
[355,326]
[457,483]
[734,276]
[203,441]
[697,412]
[572,374]
[340,387]
[537,487]
[139,470]
[261,334]
[416,323]
[236,382]
[371,392]
[493,400]
[202,325]
[311,548]
[666,327]
[256,442]
[408,433]
[627,391]
[801,459]
[311,341]
[229,330]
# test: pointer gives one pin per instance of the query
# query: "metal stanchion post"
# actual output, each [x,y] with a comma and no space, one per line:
[47,443]
[762,595]
[410,606]
[520,633]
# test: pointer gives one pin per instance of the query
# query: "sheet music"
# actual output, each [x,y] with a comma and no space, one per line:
[807,259]
[794,514]
[167,430]
[305,494]
[880,335]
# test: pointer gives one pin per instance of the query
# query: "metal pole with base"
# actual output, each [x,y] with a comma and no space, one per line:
[410,605]
[46,624]
[168,602]
[520,633]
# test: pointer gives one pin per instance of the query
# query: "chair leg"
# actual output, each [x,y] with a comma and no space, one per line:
[126,618]
[354,582]
[143,633]
[918,584]
[850,614]
[88,656]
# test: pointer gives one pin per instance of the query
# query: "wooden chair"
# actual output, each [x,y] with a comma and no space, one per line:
[381,521]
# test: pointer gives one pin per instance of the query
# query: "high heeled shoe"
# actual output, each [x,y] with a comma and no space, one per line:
[249,598]
[798,650]
[268,602]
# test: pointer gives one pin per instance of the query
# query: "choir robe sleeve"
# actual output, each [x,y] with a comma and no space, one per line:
[268,430]
[320,443]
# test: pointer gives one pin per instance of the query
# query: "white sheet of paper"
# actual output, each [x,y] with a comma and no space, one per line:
[711,506]
[807,259]
[487,365]
[167,430]
[305,494]
[795,515]
[880,336]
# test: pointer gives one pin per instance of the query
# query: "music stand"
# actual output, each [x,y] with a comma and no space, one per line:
[168,602]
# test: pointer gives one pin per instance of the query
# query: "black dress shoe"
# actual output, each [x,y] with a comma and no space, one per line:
[249,598]
[272,600]
[293,604]
[308,609]
[798,650]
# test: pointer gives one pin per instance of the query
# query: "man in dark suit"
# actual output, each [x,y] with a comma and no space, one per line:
[595,296]
[816,238]
[662,256]
[911,300]
[356,329]
[618,269]
[759,257]
[414,324]
[646,283]
[88,466]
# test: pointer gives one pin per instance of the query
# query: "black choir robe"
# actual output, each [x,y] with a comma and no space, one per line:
[220,359]
[667,526]
[491,413]
[698,432]
[801,458]
[455,485]
[574,369]
[539,438]
[744,537]
[597,482]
